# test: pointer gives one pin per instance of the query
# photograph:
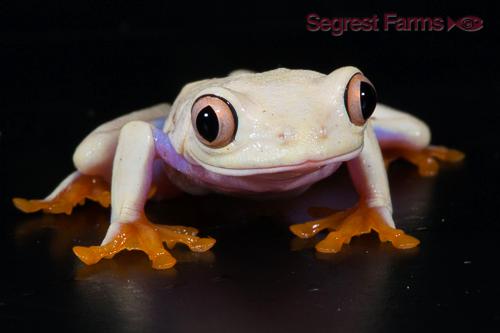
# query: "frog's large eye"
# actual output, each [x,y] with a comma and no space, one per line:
[360,99]
[214,121]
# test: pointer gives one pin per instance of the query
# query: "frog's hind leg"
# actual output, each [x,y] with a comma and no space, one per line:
[426,159]
[93,160]
[402,135]
[72,191]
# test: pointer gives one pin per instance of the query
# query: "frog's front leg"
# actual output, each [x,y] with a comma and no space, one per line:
[138,145]
[374,209]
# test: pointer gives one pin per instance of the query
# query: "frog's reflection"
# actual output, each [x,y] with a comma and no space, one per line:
[124,264]
[85,224]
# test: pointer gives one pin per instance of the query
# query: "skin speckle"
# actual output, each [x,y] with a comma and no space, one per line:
[323,133]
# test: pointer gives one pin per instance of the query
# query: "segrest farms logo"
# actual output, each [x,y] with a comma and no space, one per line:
[337,26]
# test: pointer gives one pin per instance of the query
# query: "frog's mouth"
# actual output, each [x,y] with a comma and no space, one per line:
[284,172]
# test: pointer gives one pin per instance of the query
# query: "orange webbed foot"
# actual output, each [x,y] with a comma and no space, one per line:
[353,222]
[147,237]
[75,193]
[425,159]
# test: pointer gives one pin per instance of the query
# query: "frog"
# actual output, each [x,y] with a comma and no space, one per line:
[257,135]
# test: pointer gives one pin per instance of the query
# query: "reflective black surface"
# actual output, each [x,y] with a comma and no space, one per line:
[66,70]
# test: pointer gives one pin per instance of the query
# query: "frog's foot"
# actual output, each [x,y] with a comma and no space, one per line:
[425,159]
[353,222]
[72,191]
[147,237]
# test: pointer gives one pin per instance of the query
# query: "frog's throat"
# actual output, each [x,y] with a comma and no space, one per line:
[303,167]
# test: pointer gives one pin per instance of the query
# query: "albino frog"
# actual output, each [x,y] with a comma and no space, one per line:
[248,134]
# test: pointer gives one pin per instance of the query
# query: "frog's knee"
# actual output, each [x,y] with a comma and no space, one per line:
[402,132]
[418,134]
[94,155]
[137,130]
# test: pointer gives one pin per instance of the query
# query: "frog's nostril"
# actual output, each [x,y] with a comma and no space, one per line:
[323,133]
[287,135]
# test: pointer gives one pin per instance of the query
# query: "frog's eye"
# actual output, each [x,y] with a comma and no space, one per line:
[214,121]
[360,99]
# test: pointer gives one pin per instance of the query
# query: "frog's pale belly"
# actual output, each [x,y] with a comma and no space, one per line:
[269,184]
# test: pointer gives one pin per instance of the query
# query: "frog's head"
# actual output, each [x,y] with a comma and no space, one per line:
[280,120]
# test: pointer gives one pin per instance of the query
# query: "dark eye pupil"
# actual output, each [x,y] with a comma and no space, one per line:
[207,124]
[368,99]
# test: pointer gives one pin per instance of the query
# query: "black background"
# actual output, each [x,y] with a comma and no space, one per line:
[67,68]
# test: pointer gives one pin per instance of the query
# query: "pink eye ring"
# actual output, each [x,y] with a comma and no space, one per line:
[360,99]
[214,121]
